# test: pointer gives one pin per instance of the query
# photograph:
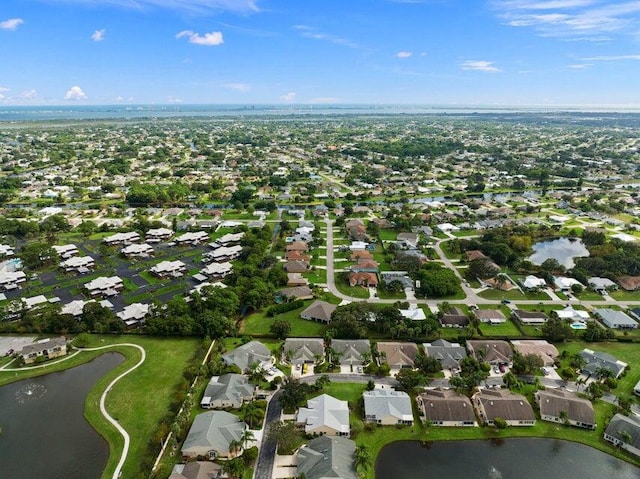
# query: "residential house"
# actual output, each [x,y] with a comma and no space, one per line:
[169,269]
[296,266]
[494,352]
[445,407]
[211,435]
[296,279]
[502,403]
[596,361]
[300,246]
[324,415]
[500,283]
[397,355]
[473,255]
[363,279]
[491,316]
[75,308]
[228,239]
[159,234]
[573,315]
[615,319]
[319,311]
[217,270]
[448,354]
[365,266]
[296,292]
[629,283]
[413,314]
[532,283]
[10,280]
[122,238]
[78,264]
[246,355]
[192,238]
[134,314]
[327,457]
[36,301]
[529,317]
[454,318]
[47,349]
[538,347]
[387,407]
[66,251]
[361,255]
[403,277]
[602,285]
[137,250]
[565,284]
[562,406]
[352,351]
[356,230]
[624,432]
[227,391]
[224,254]
[296,256]
[6,251]
[303,350]
[197,470]
[104,286]
[408,240]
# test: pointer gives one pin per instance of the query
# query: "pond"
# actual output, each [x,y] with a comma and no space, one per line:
[44,432]
[522,458]
[563,250]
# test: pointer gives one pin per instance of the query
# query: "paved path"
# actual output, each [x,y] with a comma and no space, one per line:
[103,409]
[45,365]
[267,452]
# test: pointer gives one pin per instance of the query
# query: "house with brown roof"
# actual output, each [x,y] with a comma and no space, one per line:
[454,318]
[319,311]
[474,254]
[295,255]
[397,355]
[502,403]
[539,347]
[629,283]
[296,266]
[565,407]
[356,230]
[296,279]
[500,284]
[299,246]
[490,351]
[529,317]
[361,255]
[445,407]
[363,279]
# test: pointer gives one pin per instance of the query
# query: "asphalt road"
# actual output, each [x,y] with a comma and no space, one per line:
[267,454]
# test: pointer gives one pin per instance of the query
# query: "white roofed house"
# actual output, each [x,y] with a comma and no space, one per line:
[324,415]
[169,269]
[387,407]
[65,251]
[217,270]
[10,280]
[601,285]
[37,301]
[78,264]
[158,234]
[228,239]
[565,284]
[133,314]
[193,238]
[142,250]
[104,286]
[76,307]
[6,251]
[533,282]
[122,238]
[224,253]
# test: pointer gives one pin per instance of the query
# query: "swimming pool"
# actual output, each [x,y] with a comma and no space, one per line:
[578,326]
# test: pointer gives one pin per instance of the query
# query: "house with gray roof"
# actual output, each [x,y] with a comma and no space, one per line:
[211,435]
[324,415]
[454,318]
[319,311]
[327,457]
[248,354]
[503,404]
[387,407]
[197,470]
[47,349]
[624,432]
[491,316]
[448,354]
[615,319]
[397,355]
[227,391]
[445,407]
[601,285]
[563,406]
[351,351]
[303,350]
[597,360]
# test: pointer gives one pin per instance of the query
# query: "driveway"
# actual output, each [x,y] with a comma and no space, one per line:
[267,454]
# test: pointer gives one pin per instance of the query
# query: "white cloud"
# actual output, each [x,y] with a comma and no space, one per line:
[29,94]
[11,24]
[309,32]
[579,66]
[210,39]
[98,35]
[612,58]
[237,86]
[289,97]
[4,89]
[75,94]
[479,65]
[404,54]
[173,99]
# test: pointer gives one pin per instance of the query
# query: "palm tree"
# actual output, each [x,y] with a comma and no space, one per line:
[234,468]
[362,459]
[246,436]
[579,382]
[251,414]
[235,446]
[604,373]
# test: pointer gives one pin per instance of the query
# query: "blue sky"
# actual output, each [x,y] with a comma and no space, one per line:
[504,52]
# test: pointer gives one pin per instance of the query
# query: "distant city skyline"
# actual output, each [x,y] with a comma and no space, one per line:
[431,52]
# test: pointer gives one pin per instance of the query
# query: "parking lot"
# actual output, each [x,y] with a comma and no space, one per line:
[15,343]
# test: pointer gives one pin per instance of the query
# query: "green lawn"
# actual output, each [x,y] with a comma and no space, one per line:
[513,295]
[621,295]
[388,235]
[259,323]
[316,277]
[503,329]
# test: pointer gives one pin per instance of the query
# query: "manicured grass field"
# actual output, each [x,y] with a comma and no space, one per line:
[625,295]
[512,295]
[259,323]
[503,329]
[388,235]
